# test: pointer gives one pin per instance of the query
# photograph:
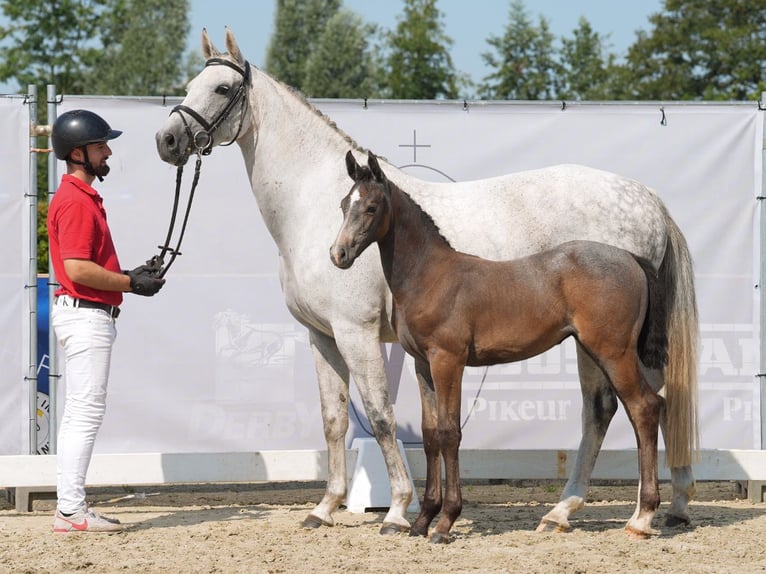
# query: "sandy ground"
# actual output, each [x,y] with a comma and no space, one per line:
[255,528]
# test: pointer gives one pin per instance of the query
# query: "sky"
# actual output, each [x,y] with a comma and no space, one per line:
[468,22]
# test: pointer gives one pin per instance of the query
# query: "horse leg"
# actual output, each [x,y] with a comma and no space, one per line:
[599,404]
[447,373]
[332,375]
[644,408]
[361,352]
[432,498]
[681,478]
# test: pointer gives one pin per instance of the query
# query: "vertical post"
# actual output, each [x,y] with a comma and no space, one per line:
[53,365]
[32,269]
[762,284]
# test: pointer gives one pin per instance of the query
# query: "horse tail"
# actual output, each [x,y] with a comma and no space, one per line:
[676,280]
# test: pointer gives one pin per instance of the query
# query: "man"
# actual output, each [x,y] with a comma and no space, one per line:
[85,306]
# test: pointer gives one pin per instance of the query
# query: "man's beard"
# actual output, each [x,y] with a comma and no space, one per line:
[100,170]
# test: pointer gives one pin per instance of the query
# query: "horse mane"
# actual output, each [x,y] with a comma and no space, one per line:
[365,174]
[300,96]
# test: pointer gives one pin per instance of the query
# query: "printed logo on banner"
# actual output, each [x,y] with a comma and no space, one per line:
[253,361]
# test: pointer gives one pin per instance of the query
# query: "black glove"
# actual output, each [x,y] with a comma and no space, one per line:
[144,280]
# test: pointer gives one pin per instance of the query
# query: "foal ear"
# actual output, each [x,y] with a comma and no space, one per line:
[372,163]
[233,48]
[351,166]
[208,50]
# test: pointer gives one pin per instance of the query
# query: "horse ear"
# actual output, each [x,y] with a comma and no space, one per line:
[233,48]
[351,166]
[372,163]
[208,50]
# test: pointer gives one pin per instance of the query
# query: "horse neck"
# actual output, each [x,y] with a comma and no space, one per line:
[412,246]
[288,150]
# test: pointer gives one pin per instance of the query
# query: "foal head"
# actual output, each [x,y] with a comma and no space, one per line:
[366,211]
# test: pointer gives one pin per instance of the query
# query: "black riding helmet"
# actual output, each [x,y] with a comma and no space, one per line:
[78,128]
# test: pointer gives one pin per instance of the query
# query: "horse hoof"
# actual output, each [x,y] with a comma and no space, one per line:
[640,534]
[551,526]
[313,522]
[393,528]
[439,538]
[416,532]
[672,520]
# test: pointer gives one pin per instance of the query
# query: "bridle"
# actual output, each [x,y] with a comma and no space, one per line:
[202,141]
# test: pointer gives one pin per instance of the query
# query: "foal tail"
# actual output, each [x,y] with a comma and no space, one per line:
[672,317]
[653,340]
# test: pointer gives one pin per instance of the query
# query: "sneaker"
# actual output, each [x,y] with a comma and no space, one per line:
[85,520]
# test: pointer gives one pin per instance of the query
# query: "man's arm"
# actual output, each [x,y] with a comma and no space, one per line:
[92,275]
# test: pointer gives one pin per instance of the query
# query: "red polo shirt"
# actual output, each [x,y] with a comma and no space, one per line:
[77,229]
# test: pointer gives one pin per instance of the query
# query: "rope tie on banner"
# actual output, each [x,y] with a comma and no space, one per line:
[663,119]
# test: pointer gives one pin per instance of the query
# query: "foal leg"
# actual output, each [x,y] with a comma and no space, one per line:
[432,498]
[681,477]
[447,373]
[599,404]
[361,351]
[644,408]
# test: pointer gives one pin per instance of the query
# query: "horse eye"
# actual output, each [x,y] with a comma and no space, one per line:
[222,90]
[371,209]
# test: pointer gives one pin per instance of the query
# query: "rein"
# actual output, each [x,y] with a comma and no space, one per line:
[202,140]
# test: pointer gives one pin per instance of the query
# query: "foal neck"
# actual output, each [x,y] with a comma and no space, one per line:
[413,242]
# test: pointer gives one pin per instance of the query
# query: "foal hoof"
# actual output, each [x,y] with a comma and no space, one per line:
[439,538]
[393,528]
[313,522]
[551,526]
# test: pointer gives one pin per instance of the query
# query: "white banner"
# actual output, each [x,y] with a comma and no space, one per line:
[215,363]
[14,269]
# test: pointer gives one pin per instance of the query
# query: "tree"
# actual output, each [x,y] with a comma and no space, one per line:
[342,64]
[523,61]
[50,42]
[699,49]
[121,47]
[297,26]
[584,65]
[419,65]
[144,42]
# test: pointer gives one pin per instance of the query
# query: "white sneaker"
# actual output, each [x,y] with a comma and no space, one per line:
[85,520]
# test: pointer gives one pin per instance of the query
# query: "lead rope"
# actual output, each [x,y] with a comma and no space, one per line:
[158,261]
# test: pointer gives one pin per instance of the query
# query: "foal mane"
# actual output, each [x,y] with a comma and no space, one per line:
[365,175]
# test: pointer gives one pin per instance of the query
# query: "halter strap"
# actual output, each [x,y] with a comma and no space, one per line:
[203,139]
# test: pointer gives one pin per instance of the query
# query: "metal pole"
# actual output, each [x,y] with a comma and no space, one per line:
[32,269]
[762,283]
[53,364]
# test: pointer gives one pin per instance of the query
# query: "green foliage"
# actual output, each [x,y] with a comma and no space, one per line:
[143,42]
[125,47]
[584,66]
[42,237]
[342,63]
[419,65]
[298,25]
[523,61]
[50,42]
[700,49]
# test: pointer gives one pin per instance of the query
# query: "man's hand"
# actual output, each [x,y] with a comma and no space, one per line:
[144,280]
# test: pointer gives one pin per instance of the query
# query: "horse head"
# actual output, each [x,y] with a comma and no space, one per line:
[366,211]
[214,109]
